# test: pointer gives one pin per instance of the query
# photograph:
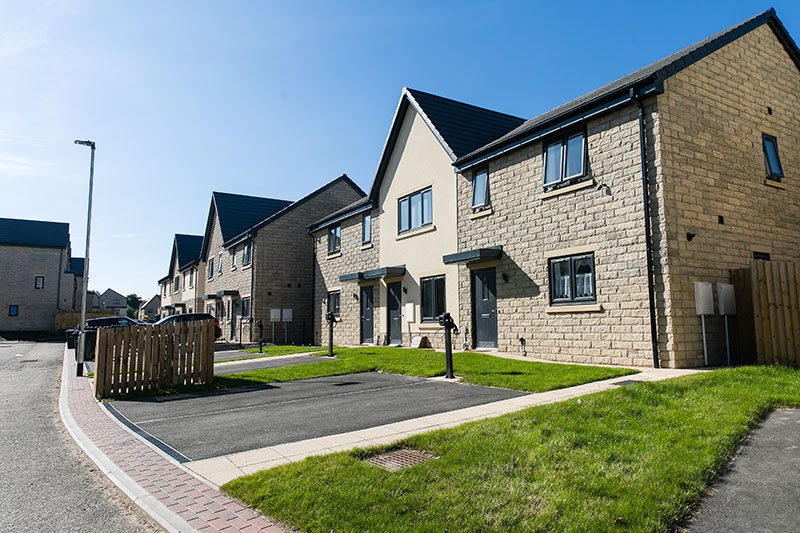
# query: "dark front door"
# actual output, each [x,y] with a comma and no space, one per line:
[366,315]
[234,312]
[394,291]
[484,307]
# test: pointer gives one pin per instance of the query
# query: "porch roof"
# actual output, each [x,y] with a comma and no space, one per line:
[474,256]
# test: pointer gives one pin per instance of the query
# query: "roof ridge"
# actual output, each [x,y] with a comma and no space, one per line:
[657,70]
[409,89]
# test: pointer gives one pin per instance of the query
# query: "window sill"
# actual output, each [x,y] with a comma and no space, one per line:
[366,246]
[334,256]
[582,308]
[773,183]
[414,233]
[482,213]
[429,326]
[247,266]
[569,188]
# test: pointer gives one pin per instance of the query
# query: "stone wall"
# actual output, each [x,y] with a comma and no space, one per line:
[603,214]
[713,114]
[238,279]
[37,307]
[285,264]
[354,257]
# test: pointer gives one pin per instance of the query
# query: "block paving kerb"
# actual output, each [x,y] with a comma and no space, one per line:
[174,497]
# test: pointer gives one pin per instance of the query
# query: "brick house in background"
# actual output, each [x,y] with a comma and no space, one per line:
[259,257]
[379,266]
[581,231]
[150,310]
[111,300]
[181,291]
[38,277]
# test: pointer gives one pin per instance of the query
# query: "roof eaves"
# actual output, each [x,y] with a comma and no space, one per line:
[338,217]
[527,132]
[344,178]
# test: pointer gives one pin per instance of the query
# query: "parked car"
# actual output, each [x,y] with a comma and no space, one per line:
[91,331]
[191,317]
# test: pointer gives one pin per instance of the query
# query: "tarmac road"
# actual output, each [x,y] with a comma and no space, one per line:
[47,482]
[209,424]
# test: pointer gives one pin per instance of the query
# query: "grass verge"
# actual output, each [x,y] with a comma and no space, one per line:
[635,458]
[477,368]
[280,350]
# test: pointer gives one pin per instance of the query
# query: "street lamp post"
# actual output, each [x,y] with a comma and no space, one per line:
[81,332]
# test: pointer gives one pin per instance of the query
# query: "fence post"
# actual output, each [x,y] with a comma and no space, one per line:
[100,358]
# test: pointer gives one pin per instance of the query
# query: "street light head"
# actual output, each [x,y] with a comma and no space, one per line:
[85,143]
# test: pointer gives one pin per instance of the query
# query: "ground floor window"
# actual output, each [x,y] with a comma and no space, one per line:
[433,301]
[334,299]
[13,310]
[246,308]
[572,279]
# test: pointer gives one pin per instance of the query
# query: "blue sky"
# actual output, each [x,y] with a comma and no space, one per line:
[275,99]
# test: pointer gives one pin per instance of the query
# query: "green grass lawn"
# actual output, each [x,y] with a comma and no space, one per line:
[635,458]
[478,368]
[284,349]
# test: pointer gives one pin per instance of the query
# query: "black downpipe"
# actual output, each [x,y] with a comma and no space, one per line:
[647,234]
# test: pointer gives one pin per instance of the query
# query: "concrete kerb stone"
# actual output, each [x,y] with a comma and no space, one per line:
[167,515]
[158,511]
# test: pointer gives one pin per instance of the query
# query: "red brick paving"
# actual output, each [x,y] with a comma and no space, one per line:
[162,477]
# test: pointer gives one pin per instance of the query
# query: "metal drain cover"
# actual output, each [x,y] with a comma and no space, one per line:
[400,459]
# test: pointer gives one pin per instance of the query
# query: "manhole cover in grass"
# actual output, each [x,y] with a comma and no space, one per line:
[627,382]
[399,459]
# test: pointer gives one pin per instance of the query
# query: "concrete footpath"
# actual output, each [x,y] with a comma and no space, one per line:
[760,488]
[185,497]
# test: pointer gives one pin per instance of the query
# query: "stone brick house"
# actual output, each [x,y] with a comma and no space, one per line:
[111,300]
[182,290]
[580,232]
[150,310]
[379,261]
[259,259]
[38,278]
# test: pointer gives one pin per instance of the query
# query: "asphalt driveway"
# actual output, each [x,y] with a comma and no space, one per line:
[214,423]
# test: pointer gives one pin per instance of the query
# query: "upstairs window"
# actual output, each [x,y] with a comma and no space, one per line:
[219,263]
[191,278]
[334,299]
[176,284]
[233,258]
[572,279]
[366,228]
[415,210]
[565,159]
[480,189]
[433,302]
[38,282]
[13,310]
[247,253]
[771,158]
[210,273]
[334,239]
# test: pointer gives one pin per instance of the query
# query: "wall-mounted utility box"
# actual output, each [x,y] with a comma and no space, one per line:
[703,298]
[410,312]
[726,299]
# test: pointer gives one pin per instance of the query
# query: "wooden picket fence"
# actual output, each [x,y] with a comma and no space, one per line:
[768,311]
[139,358]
